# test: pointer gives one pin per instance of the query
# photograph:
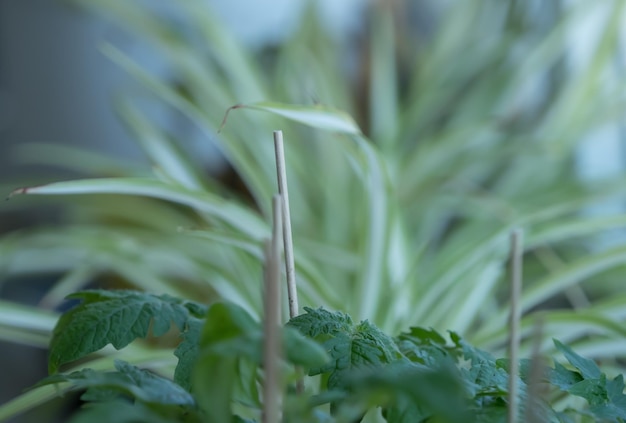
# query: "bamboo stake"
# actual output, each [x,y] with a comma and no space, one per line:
[287,237]
[514,321]
[535,390]
[290,268]
[271,304]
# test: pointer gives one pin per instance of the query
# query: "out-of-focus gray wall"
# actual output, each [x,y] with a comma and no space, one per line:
[55,85]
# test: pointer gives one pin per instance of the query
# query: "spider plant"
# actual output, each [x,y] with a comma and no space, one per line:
[406,175]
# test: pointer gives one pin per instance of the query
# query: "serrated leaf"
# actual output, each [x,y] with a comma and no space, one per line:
[616,407]
[475,355]
[320,321]
[423,336]
[424,346]
[615,391]
[350,347]
[588,368]
[488,379]
[593,390]
[563,378]
[606,398]
[141,385]
[187,353]
[112,317]
[484,376]
[525,367]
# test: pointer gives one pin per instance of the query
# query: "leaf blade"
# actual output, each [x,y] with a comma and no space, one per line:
[320,117]
[111,317]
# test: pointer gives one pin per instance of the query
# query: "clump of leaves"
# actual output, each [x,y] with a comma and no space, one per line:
[353,369]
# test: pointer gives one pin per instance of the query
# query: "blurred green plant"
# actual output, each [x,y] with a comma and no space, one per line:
[401,214]
[418,376]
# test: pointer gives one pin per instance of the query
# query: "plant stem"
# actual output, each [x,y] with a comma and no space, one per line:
[514,321]
[272,339]
[287,237]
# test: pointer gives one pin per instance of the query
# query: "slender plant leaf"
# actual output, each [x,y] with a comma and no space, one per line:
[246,221]
[316,116]
[161,151]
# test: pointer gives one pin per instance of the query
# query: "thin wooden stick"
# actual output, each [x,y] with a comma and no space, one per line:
[271,304]
[287,238]
[514,321]
[535,389]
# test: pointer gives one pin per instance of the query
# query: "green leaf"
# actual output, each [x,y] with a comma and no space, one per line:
[229,337]
[563,378]
[319,117]
[39,395]
[187,352]
[118,412]
[113,317]
[230,331]
[475,355]
[383,81]
[351,347]
[318,322]
[616,408]
[606,398]
[222,343]
[161,151]
[424,346]
[213,382]
[302,351]
[26,324]
[593,390]
[485,377]
[416,392]
[588,368]
[238,217]
[140,385]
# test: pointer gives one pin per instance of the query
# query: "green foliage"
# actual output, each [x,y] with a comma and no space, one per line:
[404,191]
[605,397]
[126,412]
[140,385]
[418,376]
[230,341]
[351,347]
[117,318]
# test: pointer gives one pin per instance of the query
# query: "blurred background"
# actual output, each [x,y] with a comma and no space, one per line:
[58,91]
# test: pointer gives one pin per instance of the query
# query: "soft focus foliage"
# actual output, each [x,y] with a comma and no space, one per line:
[463,133]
